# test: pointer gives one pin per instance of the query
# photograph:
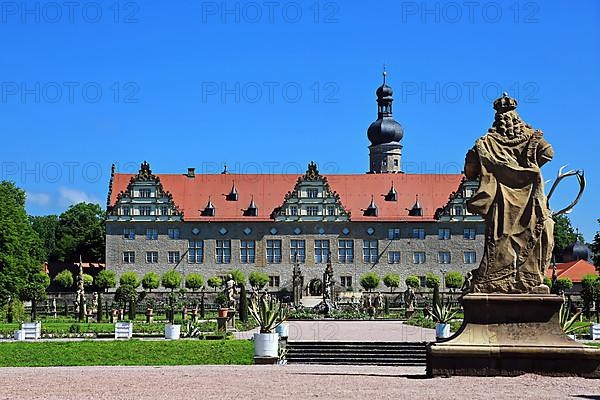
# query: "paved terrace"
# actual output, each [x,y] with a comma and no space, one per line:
[354,331]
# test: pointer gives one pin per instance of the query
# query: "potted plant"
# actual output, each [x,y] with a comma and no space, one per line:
[442,314]
[221,301]
[269,314]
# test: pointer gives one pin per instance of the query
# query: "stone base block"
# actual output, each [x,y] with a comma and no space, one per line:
[508,335]
[265,360]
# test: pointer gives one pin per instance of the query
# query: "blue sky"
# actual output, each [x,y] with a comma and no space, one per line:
[270,86]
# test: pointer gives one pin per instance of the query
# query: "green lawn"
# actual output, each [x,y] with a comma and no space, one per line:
[131,352]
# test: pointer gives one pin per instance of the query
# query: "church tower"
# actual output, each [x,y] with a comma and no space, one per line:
[385,134]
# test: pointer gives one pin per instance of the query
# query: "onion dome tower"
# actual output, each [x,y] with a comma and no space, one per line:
[385,135]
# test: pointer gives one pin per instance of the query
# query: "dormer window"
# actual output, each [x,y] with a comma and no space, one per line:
[293,211]
[209,210]
[312,193]
[145,193]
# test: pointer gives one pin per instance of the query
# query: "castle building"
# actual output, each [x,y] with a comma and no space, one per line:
[383,221]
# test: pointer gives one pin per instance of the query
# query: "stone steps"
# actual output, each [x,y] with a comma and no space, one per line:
[362,353]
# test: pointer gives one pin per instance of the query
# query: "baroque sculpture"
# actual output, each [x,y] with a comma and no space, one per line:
[519,225]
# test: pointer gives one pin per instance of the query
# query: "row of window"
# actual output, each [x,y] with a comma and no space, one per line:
[393,233]
[297,253]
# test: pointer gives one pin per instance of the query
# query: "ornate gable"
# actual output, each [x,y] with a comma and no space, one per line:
[456,207]
[145,200]
[311,200]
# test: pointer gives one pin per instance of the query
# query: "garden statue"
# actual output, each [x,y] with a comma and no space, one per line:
[519,225]
[328,281]
[297,280]
[230,291]
[94,307]
[80,306]
[409,302]
[54,311]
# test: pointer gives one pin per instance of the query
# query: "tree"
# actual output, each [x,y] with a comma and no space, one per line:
[369,281]
[171,280]
[563,284]
[64,279]
[595,247]
[88,280]
[105,280]
[129,278]
[588,292]
[214,282]
[258,280]
[564,235]
[432,280]
[150,281]
[81,232]
[238,277]
[454,280]
[21,250]
[412,281]
[194,281]
[45,227]
[392,281]
[35,291]
[126,294]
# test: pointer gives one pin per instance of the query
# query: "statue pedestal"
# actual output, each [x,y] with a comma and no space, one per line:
[512,334]
[226,324]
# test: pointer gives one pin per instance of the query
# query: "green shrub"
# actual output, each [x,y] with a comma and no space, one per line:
[13,311]
[150,281]
[432,280]
[171,280]
[194,281]
[88,280]
[106,279]
[258,280]
[370,281]
[454,280]
[238,276]
[64,279]
[563,284]
[129,278]
[214,282]
[391,280]
[412,281]
[548,282]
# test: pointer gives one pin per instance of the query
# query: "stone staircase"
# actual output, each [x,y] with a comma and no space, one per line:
[357,353]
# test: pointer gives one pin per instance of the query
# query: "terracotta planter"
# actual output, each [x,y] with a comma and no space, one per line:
[223,312]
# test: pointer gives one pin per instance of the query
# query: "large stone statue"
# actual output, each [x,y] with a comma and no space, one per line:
[409,301]
[230,291]
[511,199]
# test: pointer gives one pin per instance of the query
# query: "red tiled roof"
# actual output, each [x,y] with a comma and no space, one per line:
[191,194]
[574,270]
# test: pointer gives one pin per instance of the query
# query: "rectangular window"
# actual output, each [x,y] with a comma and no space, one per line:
[321,251]
[173,233]
[126,211]
[152,257]
[370,251]
[273,281]
[345,281]
[418,233]
[164,210]
[394,257]
[312,211]
[469,257]
[331,211]
[346,251]
[247,251]
[145,193]
[274,251]
[298,247]
[293,211]
[422,280]
[419,257]
[394,233]
[444,257]
[145,210]
[196,252]
[173,257]
[223,251]
[312,193]
[458,210]
[129,257]
[469,234]
[444,234]
[129,233]
[151,233]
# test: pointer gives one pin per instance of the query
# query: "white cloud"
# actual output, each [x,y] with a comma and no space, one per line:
[41,199]
[69,197]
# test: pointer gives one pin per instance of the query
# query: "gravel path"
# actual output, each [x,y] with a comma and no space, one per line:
[354,331]
[287,382]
